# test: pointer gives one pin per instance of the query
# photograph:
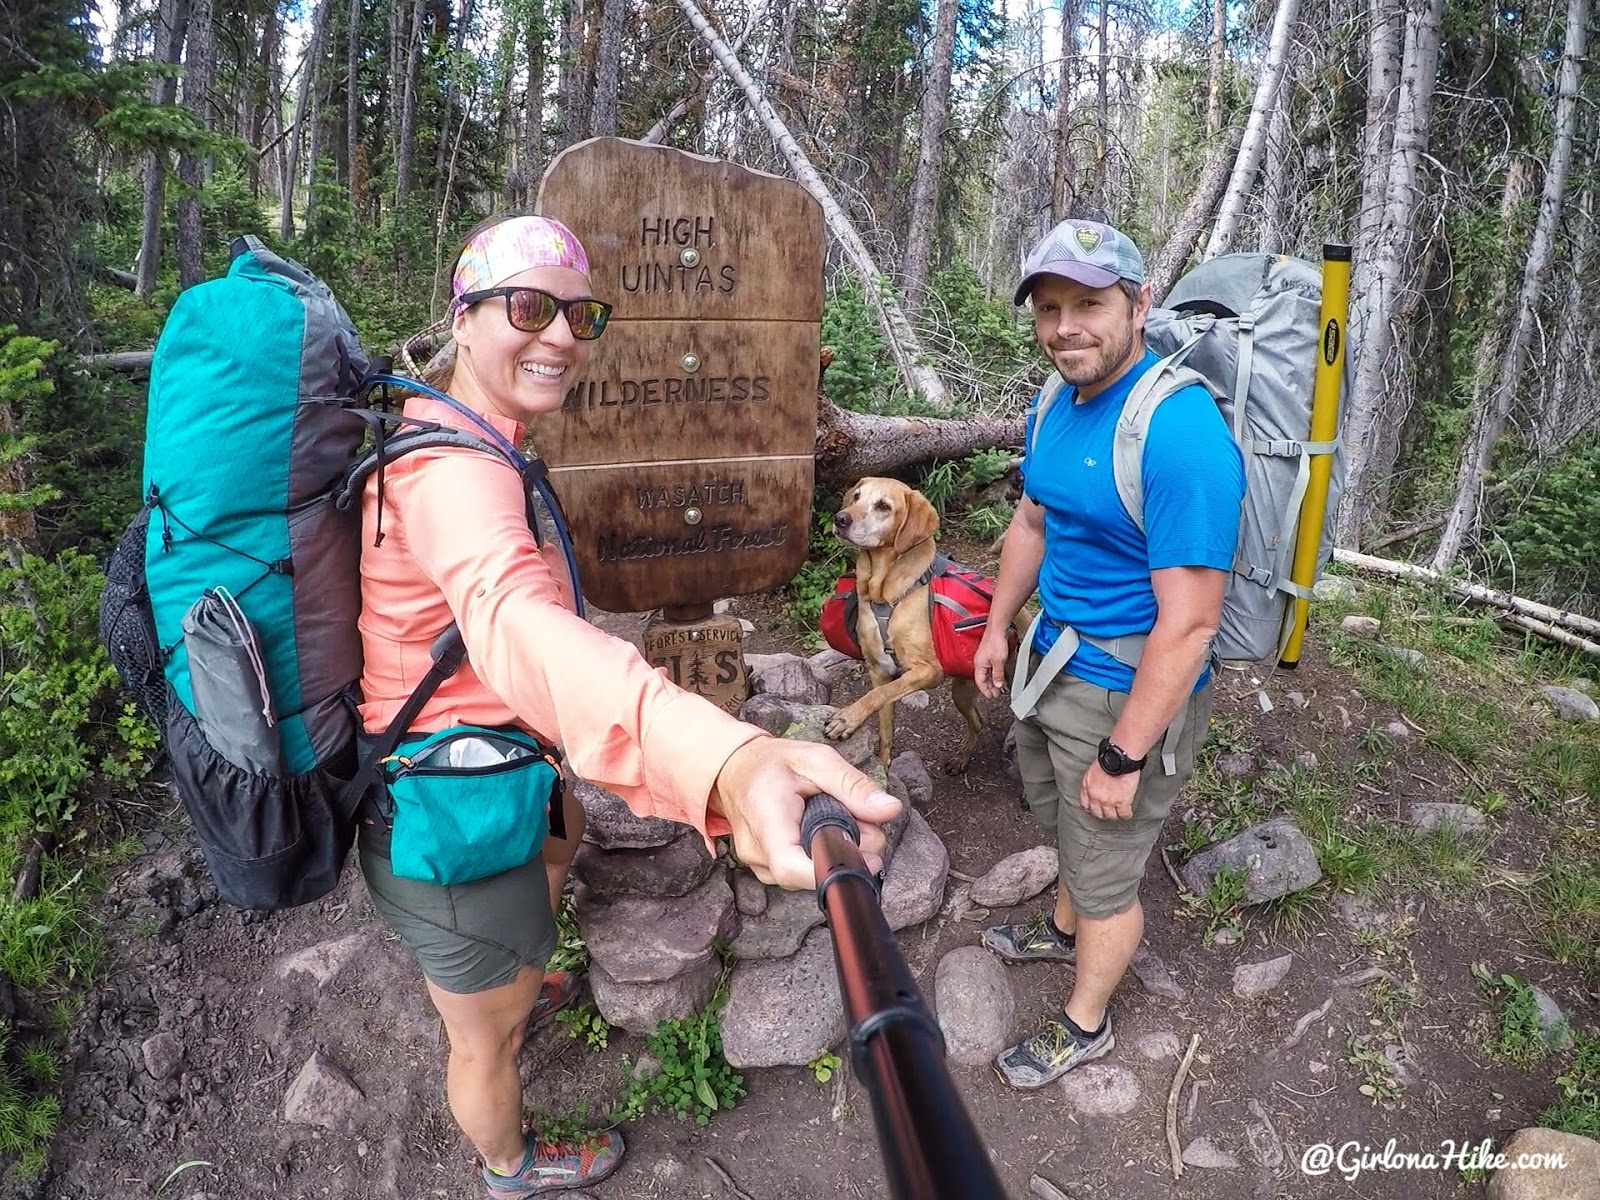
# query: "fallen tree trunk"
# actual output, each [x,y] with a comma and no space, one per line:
[121,360]
[852,444]
[1532,610]
[1555,633]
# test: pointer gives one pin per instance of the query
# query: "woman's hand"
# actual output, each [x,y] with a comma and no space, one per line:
[761,790]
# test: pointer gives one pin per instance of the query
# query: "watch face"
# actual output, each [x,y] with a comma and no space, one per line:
[1110,761]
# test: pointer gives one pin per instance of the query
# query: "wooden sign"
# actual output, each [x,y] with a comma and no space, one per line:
[704,657]
[684,455]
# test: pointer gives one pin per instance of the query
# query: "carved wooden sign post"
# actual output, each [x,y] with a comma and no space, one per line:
[684,454]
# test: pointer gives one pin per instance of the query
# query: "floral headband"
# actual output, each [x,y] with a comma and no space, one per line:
[497,253]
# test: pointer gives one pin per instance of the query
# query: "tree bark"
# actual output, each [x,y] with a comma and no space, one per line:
[576,74]
[906,348]
[608,68]
[1377,141]
[533,104]
[851,444]
[1218,69]
[302,113]
[405,151]
[1494,405]
[352,112]
[452,95]
[1064,182]
[1171,259]
[1102,113]
[1254,141]
[1371,428]
[198,67]
[170,32]
[930,156]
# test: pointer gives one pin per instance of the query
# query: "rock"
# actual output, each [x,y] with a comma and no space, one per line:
[1361,627]
[749,893]
[1580,1154]
[767,712]
[1334,588]
[1152,973]
[1225,936]
[1432,816]
[1306,760]
[908,767]
[1398,730]
[323,1094]
[784,1012]
[643,939]
[675,869]
[163,1055]
[976,1006]
[320,963]
[1236,764]
[640,1007]
[612,825]
[779,931]
[1016,878]
[1156,1046]
[832,668]
[1585,686]
[1554,1026]
[1296,700]
[1276,856]
[913,885]
[1571,704]
[1101,1090]
[915,700]
[808,721]
[1257,979]
[1415,659]
[787,676]
[1203,1152]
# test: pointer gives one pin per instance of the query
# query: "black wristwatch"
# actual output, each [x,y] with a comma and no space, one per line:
[1114,759]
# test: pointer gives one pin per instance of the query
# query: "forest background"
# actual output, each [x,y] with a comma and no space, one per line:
[1451,141]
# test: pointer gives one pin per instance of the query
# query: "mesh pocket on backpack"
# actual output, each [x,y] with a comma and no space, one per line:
[127,629]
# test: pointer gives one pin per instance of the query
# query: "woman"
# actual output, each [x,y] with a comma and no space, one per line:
[456,546]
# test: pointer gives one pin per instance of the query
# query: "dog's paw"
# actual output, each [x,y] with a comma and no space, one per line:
[957,766]
[839,727]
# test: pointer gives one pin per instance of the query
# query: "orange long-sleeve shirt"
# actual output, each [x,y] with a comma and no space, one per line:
[457,546]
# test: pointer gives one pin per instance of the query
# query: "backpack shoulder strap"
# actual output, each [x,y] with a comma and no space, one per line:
[1166,378]
[1049,392]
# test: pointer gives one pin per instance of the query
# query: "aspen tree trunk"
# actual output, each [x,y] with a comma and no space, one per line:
[1255,132]
[1492,407]
[289,177]
[198,62]
[1371,426]
[352,111]
[1569,404]
[1218,69]
[405,149]
[608,67]
[930,156]
[1386,20]
[1064,187]
[1276,195]
[576,73]
[906,348]
[173,25]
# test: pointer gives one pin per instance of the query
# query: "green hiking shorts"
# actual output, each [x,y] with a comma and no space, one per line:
[470,937]
[1101,862]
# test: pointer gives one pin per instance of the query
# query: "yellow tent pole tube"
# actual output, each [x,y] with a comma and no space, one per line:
[1324,427]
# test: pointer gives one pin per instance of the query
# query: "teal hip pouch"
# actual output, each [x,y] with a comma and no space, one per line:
[468,802]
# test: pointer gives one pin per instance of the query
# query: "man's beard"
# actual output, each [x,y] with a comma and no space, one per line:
[1111,356]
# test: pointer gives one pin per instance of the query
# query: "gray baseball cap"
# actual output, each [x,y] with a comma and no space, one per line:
[1086,252]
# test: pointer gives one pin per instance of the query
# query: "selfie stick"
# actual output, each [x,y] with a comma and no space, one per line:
[931,1149]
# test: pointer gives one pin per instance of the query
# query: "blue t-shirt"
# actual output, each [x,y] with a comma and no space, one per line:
[1095,575]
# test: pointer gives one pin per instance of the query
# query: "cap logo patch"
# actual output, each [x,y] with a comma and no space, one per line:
[1089,239]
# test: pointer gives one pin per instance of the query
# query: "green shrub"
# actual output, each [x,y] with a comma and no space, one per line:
[1551,541]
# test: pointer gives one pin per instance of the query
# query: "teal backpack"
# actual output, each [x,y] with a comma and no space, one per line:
[231,601]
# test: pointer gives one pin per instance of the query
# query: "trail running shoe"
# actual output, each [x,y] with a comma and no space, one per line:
[559,989]
[1050,1054]
[1034,941]
[557,1166]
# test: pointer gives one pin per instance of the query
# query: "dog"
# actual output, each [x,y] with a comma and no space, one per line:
[893,526]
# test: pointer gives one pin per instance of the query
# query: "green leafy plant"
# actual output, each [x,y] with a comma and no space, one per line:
[1378,1082]
[694,1080]
[1518,1035]
[1221,903]
[823,1066]
[571,954]
[584,1021]
[1578,1110]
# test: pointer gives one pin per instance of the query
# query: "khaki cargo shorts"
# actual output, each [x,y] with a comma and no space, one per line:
[1101,862]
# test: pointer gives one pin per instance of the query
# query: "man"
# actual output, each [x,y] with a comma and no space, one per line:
[1091,748]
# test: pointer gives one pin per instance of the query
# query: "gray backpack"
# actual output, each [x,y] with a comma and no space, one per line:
[1247,328]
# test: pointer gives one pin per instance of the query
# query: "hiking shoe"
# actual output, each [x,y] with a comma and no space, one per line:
[1033,941]
[1050,1054]
[559,989]
[557,1166]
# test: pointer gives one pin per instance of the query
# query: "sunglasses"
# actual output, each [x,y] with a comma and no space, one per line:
[531,310]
